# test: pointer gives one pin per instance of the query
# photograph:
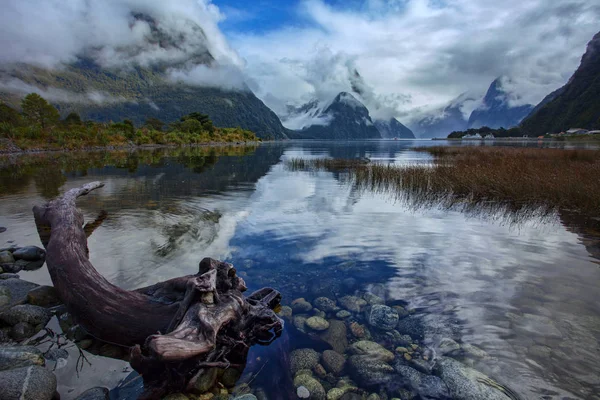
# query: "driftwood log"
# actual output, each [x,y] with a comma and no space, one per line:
[178,329]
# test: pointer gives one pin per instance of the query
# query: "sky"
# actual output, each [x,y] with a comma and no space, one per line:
[408,57]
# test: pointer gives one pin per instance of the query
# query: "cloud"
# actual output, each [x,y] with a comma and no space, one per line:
[60,95]
[119,33]
[420,54]
[226,77]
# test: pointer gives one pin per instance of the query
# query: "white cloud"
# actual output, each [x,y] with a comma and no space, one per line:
[420,54]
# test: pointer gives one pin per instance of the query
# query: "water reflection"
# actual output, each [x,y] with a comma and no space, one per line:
[525,294]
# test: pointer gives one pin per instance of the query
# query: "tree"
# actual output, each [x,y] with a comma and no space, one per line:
[37,110]
[155,124]
[204,119]
[73,119]
[9,115]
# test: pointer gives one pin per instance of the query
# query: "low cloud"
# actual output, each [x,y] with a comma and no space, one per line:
[60,95]
[417,55]
[179,34]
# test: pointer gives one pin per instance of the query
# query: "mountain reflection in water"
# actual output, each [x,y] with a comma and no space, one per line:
[525,292]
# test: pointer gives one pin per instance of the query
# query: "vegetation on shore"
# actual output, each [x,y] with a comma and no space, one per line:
[38,126]
[476,178]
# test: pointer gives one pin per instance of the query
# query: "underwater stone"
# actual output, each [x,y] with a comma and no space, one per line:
[325,304]
[333,361]
[303,359]
[336,336]
[352,303]
[448,346]
[343,314]
[368,371]
[317,323]
[372,350]
[382,317]
[314,387]
[301,305]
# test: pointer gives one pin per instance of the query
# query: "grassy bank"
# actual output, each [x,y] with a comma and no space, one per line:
[39,126]
[516,179]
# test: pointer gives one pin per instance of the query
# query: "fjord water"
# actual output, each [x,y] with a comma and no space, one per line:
[525,293]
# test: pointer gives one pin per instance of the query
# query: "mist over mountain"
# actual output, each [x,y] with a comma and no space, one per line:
[452,117]
[344,118]
[496,110]
[575,105]
[393,128]
[132,60]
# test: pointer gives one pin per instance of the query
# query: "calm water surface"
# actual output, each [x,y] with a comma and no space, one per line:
[526,294]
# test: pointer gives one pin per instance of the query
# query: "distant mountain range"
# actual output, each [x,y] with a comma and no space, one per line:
[345,118]
[496,111]
[575,105]
[445,120]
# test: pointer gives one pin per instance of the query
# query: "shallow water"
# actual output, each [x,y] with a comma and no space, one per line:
[526,294]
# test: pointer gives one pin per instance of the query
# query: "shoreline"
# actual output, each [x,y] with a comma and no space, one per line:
[132,147]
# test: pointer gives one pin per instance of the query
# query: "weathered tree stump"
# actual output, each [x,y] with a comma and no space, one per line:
[178,329]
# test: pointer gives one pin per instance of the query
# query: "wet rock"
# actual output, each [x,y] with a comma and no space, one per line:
[412,326]
[205,381]
[21,331]
[404,340]
[325,304]
[7,275]
[351,396]
[303,359]
[473,351]
[33,315]
[402,312]
[299,322]
[343,314]
[12,268]
[57,354]
[372,350]
[448,346]
[30,265]
[230,377]
[320,371]
[317,323]
[285,312]
[302,392]
[101,393]
[368,371]
[18,290]
[465,383]
[43,296]
[421,365]
[373,299]
[336,336]
[40,383]
[333,361]
[313,386]
[4,297]
[352,303]
[301,306]
[359,331]
[19,356]
[382,317]
[335,394]
[29,253]
[427,386]
[6,257]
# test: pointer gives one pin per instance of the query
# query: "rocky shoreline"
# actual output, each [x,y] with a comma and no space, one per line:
[374,350]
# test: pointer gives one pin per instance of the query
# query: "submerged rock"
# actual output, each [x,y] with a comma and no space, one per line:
[427,386]
[313,386]
[333,361]
[412,326]
[368,371]
[299,322]
[18,289]
[19,356]
[382,317]
[325,304]
[465,383]
[343,314]
[373,299]
[29,253]
[28,383]
[6,257]
[336,336]
[22,331]
[317,323]
[33,315]
[352,303]
[372,350]
[300,305]
[43,296]
[285,312]
[448,346]
[303,359]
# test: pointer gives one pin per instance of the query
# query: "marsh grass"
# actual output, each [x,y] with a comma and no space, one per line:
[515,182]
